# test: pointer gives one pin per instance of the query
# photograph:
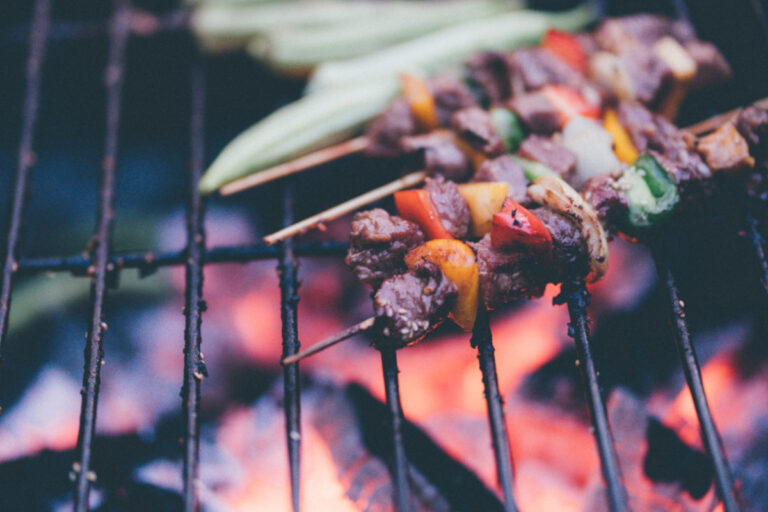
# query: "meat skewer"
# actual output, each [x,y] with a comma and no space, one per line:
[647,58]
[723,150]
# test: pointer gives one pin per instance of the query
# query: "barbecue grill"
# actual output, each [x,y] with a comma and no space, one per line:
[102,266]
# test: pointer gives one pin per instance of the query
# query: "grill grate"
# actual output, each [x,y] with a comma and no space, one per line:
[102,267]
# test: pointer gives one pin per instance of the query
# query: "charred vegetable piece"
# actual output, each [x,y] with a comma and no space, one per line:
[484,200]
[509,127]
[417,206]
[569,103]
[516,227]
[622,144]
[532,169]
[457,261]
[567,48]
[650,192]
[562,198]
[420,99]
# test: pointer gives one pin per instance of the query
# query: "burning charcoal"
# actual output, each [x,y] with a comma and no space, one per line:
[410,305]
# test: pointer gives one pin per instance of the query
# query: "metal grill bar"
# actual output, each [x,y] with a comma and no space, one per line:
[483,341]
[37,45]
[289,300]
[100,246]
[194,365]
[575,294]
[758,243]
[689,361]
[399,466]
[148,262]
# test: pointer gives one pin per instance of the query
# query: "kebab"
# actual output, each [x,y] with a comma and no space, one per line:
[419,283]
[648,58]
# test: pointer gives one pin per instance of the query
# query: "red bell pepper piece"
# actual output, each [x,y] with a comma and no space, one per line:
[515,226]
[567,48]
[416,205]
[569,103]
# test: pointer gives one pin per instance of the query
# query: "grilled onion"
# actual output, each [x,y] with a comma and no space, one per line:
[558,195]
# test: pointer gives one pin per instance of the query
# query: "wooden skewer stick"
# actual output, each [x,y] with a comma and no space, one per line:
[329,342]
[715,122]
[409,180]
[297,165]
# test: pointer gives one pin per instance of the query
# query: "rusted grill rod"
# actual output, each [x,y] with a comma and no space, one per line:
[759,244]
[289,300]
[483,341]
[37,46]
[148,262]
[399,466]
[100,246]
[194,365]
[690,364]
[575,294]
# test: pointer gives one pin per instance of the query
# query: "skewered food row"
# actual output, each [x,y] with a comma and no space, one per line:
[427,263]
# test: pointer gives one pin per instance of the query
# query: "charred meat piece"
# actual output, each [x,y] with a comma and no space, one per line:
[489,73]
[505,169]
[450,205]
[533,68]
[569,251]
[711,67]
[476,126]
[752,123]
[378,242]
[505,275]
[640,30]
[450,94]
[550,153]
[649,75]
[438,154]
[385,132]
[725,149]
[607,200]
[675,150]
[409,305]
[536,112]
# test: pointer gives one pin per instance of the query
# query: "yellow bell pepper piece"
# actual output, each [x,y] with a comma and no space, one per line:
[484,199]
[457,261]
[420,99]
[622,144]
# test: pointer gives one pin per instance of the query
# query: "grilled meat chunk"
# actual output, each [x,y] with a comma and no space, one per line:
[649,75]
[533,68]
[711,67]
[505,276]
[505,169]
[385,132]
[640,30]
[438,154]
[409,305]
[450,205]
[675,150]
[378,242]
[476,126]
[569,251]
[725,149]
[608,201]
[450,94]
[489,73]
[536,113]
[752,123]
[550,153]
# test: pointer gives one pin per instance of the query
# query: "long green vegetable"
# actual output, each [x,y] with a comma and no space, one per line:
[306,124]
[344,107]
[450,46]
[302,48]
